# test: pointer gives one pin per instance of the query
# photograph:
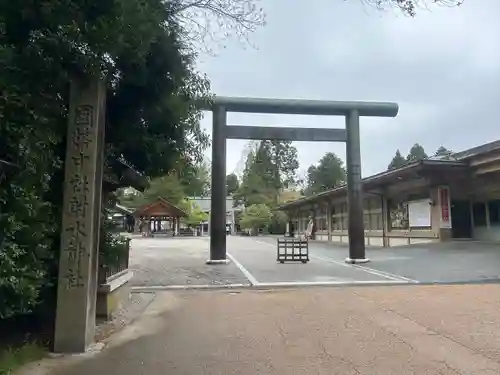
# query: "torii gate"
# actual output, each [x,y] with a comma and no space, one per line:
[221,131]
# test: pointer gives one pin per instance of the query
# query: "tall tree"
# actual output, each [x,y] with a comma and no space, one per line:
[268,169]
[195,179]
[416,153]
[397,161]
[285,163]
[257,184]
[328,174]
[232,183]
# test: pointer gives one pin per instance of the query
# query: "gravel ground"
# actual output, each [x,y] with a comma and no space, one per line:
[137,304]
[178,261]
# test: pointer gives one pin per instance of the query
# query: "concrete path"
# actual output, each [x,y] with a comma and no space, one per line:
[359,330]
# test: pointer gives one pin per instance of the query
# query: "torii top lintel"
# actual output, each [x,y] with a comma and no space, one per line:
[302,107]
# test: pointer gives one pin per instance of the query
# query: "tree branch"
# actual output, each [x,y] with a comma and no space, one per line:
[208,22]
[410,7]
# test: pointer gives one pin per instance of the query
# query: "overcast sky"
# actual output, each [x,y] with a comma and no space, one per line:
[443,68]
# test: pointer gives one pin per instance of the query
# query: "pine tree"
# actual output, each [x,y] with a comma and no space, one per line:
[416,153]
[397,161]
[443,152]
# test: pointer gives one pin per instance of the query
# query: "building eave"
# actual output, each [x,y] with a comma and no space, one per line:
[377,180]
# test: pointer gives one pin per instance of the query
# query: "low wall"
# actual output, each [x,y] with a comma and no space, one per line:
[114,294]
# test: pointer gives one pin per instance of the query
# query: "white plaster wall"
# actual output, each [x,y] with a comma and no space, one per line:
[395,241]
[422,240]
[336,238]
[321,236]
[376,241]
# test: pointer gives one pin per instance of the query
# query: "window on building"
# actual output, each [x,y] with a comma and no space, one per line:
[494,211]
[479,212]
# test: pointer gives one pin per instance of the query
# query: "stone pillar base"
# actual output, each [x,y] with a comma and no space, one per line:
[218,261]
[356,261]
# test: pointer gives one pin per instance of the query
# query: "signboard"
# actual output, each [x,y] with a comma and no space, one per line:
[444,204]
[419,213]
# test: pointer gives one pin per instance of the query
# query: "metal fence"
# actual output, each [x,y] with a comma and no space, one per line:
[120,264]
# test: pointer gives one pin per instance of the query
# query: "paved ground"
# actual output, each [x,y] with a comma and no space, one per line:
[178,261]
[371,330]
[181,262]
[258,258]
[459,261]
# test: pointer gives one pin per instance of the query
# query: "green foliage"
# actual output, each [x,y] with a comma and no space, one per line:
[113,247]
[289,196]
[285,163]
[195,180]
[26,218]
[232,184]
[397,161]
[416,153]
[278,222]
[328,174]
[195,214]
[168,187]
[255,217]
[268,170]
[150,117]
[13,358]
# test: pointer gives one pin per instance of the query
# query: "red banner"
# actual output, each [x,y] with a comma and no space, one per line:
[445,204]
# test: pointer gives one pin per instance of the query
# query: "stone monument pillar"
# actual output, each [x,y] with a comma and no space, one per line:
[77,283]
